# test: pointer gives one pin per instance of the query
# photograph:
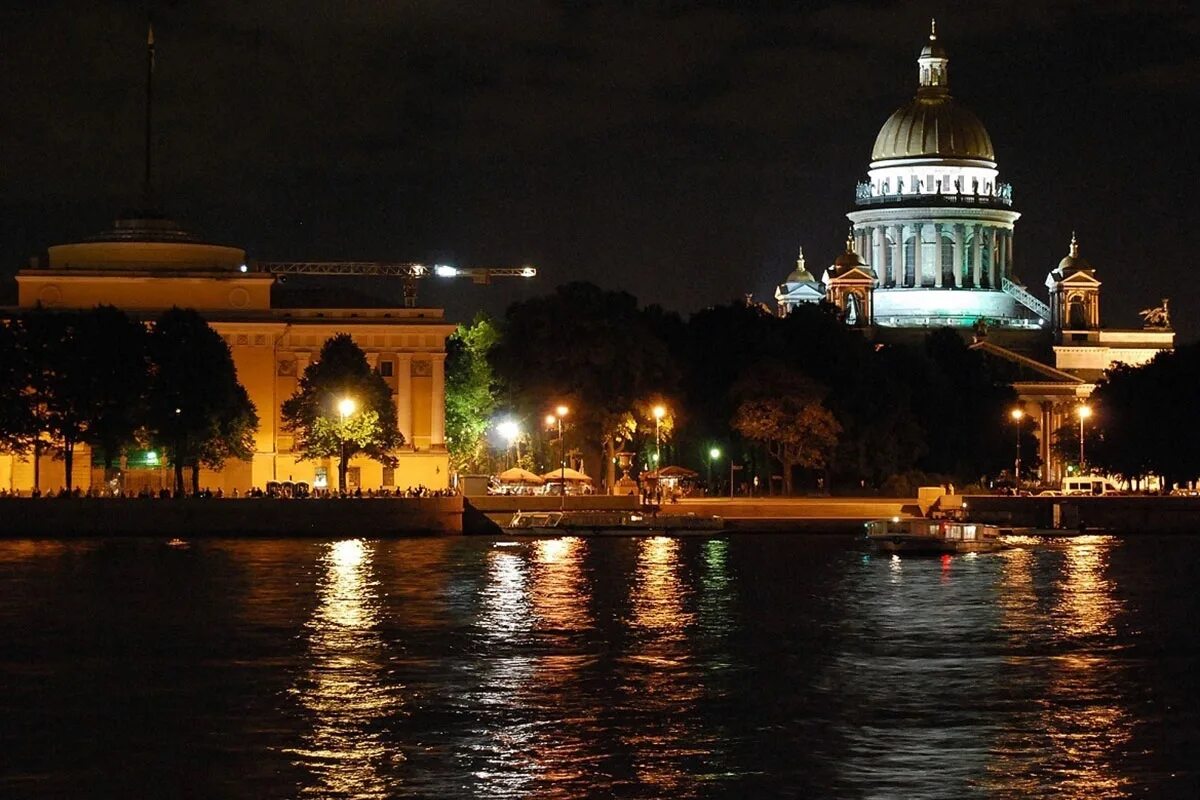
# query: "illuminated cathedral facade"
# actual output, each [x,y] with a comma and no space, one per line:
[932,246]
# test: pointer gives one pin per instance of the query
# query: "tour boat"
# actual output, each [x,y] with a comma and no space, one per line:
[933,536]
[557,523]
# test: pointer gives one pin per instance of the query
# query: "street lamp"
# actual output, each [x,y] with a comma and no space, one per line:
[1084,412]
[345,407]
[551,419]
[659,412]
[713,454]
[1017,415]
[510,430]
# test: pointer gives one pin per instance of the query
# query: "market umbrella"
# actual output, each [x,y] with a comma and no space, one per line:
[566,475]
[518,475]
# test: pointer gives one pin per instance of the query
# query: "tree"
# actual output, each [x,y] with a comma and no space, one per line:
[233,437]
[196,410]
[590,349]
[59,382]
[470,393]
[782,411]
[341,372]
[18,425]
[114,348]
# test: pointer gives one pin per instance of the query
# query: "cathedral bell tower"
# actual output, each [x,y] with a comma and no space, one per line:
[850,286]
[1074,293]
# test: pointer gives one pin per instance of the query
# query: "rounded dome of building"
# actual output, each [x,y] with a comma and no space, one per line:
[1072,261]
[933,127]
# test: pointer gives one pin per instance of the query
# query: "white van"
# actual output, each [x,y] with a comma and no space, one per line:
[1088,484]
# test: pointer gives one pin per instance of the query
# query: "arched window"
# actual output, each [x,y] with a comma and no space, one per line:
[947,265]
[1076,311]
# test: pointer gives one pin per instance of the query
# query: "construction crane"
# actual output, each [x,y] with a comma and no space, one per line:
[408,271]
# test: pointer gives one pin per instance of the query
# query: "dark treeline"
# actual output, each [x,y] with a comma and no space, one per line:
[804,397]
[1144,419]
[98,378]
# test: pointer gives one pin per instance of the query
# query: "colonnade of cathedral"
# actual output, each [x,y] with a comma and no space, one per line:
[908,255]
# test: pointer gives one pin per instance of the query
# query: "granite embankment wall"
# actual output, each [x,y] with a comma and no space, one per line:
[1119,514]
[501,507]
[53,517]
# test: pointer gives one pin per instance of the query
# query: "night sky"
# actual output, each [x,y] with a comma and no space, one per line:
[680,151]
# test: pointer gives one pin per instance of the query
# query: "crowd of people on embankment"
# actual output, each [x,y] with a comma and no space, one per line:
[253,492]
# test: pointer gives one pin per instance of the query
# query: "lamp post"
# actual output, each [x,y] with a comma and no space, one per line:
[659,412]
[1017,415]
[510,431]
[551,419]
[1084,412]
[345,408]
[713,454]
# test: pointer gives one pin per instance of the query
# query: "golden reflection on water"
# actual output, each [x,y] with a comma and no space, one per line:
[1074,738]
[344,689]
[559,594]
[658,592]
[663,688]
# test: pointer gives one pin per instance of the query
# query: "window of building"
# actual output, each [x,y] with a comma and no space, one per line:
[389,476]
[321,478]
[385,369]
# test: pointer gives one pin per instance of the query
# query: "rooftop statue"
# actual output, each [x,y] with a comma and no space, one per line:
[1159,317]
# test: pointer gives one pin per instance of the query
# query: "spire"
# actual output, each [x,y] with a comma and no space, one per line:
[148,182]
[1074,246]
[850,241]
[932,29]
[800,258]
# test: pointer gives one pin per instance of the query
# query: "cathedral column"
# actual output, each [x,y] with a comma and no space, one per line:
[1002,261]
[977,257]
[938,271]
[960,236]
[993,252]
[877,253]
[923,255]
[1011,238]
[897,255]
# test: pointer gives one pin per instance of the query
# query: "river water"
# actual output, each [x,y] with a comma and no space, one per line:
[748,666]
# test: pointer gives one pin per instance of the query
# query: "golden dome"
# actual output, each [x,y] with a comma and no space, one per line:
[1073,262]
[933,126]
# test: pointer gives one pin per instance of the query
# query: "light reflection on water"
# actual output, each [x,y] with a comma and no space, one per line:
[344,689]
[581,667]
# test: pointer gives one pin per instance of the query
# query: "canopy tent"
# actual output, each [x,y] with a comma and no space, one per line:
[566,475]
[671,472]
[518,475]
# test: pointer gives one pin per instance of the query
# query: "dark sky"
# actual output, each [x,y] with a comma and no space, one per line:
[679,150]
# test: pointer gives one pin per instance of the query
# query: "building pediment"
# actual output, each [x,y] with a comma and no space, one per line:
[858,276]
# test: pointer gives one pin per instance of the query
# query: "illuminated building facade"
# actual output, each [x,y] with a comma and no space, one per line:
[146,265]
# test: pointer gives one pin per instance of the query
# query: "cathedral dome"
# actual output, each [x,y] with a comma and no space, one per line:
[933,126]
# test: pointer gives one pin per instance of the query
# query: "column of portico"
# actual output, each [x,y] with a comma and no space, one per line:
[897,255]
[939,276]
[437,408]
[1002,261]
[1011,238]
[877,252]
[960,237]
[994,260]
[404,415]
[977,257]
[923,255]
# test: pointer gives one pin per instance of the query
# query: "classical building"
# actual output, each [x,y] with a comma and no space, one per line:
[146,264]
[932,246]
